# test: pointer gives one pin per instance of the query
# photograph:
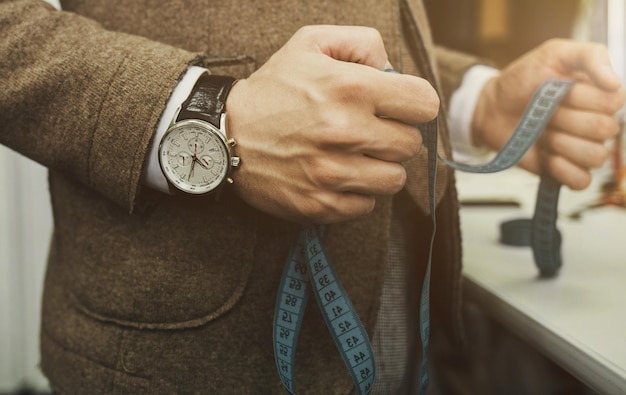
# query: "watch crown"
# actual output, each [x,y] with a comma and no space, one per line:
[235,161]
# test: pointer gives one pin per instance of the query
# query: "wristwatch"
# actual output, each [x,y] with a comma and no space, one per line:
[195,155]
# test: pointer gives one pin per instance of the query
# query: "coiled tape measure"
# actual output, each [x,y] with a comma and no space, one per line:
[309,269]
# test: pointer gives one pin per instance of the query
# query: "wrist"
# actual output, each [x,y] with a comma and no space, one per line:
[154,177]
[240,126]
[461,112]
[232,105]
[195,155]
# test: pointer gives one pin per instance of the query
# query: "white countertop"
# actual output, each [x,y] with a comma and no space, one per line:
[579,318]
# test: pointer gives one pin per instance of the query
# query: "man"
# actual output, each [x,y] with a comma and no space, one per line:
[150,290]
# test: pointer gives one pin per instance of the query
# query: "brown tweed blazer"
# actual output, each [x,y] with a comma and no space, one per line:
[149,294]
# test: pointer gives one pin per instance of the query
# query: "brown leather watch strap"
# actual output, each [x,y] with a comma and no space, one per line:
[207,99]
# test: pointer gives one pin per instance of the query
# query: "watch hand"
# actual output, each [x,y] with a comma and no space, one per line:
[193,163]
[201,163]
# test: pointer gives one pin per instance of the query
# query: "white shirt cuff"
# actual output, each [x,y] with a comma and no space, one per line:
[154,177]
[462,105]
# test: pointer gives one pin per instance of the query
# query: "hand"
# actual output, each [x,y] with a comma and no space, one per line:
[193,164]
[321,129]
[573,142]
[199,161]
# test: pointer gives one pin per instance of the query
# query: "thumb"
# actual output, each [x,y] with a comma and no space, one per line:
[354,44]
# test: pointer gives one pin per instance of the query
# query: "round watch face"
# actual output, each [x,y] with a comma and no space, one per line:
[194,156]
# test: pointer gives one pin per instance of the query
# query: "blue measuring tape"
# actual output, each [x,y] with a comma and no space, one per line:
[540,232]
[308,264]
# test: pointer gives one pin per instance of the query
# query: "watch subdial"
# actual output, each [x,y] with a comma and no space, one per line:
[195,145]
[207,162]
[184,158]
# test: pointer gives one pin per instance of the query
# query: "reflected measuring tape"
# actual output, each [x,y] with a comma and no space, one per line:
[308,265]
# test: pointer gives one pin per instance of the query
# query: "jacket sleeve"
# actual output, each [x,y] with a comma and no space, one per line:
[82,100]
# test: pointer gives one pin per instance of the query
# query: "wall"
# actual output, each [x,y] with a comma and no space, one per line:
[24,237]
[25,228]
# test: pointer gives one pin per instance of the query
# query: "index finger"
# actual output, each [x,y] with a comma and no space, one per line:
[590,58]
[405,98]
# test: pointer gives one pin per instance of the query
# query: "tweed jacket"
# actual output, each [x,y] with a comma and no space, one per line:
[146,293]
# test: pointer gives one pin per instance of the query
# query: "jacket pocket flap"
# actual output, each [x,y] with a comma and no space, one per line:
[178,266]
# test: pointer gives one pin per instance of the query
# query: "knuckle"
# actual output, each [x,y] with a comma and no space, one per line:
[368,206]
[326,174]
[334,207]
[605,127]
[348,87]
[306,32]
[433,109]
[554,41]
[355,207]
[551,44]
[576,181]
[412,145]
[430,98]
[312,210]
[319,207]
[397,179]
[352,206]
[616,101]
[327,179]
[581,182]
[372,35]
[336,128]
[599,157]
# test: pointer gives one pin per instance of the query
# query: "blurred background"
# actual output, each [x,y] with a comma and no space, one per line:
[501,30]
[498,30]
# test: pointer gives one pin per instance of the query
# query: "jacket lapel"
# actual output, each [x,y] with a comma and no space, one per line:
[418,45]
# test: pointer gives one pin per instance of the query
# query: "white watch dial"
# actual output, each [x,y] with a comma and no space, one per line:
[194,156]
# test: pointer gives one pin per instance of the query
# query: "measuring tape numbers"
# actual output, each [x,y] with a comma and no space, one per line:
[308,266]
[309,270]
[289,311]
